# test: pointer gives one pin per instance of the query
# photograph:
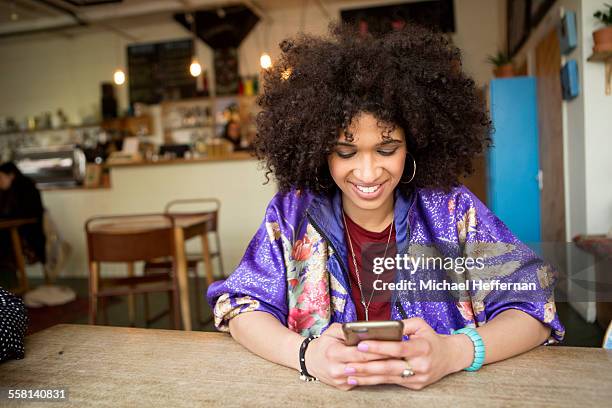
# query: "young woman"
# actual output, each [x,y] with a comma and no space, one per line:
[366,138]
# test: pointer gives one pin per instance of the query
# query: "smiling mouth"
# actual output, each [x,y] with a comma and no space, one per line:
[368,189]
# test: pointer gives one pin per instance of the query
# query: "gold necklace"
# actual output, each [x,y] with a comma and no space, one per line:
[363,303]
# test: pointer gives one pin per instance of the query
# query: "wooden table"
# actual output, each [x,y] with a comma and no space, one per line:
[111,366]
[13,225]
[186,226]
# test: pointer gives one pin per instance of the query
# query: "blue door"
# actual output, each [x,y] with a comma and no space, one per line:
[513,164]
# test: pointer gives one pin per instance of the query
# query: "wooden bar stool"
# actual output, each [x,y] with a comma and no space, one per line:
[195,206]
[129,239]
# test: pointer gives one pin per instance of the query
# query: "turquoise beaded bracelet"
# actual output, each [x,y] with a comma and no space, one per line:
[479,348]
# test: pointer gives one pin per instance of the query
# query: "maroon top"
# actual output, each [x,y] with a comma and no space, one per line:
[374,244]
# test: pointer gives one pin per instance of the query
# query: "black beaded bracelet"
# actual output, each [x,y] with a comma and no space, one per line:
[304,376]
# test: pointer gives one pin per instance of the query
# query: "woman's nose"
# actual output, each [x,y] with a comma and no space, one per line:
[368,170]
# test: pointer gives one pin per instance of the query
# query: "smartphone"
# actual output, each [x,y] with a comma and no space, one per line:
[389,330]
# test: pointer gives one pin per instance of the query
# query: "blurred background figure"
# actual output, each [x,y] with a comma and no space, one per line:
[232,134]
[19,198]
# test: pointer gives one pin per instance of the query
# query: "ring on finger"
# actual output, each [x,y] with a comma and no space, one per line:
[407,371]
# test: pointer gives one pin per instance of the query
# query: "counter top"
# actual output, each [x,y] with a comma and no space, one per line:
[71,188]
[117,366]
[240,155]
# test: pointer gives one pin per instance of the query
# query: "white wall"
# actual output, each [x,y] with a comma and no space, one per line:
[44,73]
[574,136]
[597,131]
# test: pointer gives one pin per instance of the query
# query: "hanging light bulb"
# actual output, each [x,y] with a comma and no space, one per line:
[119,77]
[195,68]
[14,14]
[265,61]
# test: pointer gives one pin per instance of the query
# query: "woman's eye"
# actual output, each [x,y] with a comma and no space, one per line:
[387,152]
[345,155]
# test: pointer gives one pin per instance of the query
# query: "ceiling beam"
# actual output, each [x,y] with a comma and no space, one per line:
[260,12]
[63,10]
[103,15]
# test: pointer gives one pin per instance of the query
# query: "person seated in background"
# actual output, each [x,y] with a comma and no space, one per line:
[19,198]
[232,135]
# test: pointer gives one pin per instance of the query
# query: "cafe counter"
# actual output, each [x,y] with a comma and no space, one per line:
[146,187]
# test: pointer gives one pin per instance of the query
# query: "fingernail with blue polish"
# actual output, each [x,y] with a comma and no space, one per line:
[362,347]
[352,381]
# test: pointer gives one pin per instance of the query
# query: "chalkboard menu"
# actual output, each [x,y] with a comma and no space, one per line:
[160,71]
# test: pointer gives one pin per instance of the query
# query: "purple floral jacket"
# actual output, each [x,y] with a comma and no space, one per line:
[295,267]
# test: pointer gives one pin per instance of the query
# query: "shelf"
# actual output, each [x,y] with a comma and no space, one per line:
[61,129]
[605,57]
[205,99]
[601,56]
[233,156]
[189,127]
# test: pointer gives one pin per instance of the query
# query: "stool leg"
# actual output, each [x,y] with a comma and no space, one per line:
[131,300]
[175,297]
[94,273]
[218,243]
[206,257]
[104,306]
[174,321]
[197,295]
[23,278]
[45,270]
[146,308]
[146,299]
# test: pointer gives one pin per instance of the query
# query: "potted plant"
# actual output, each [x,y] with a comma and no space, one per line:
[603,36]
[503,65]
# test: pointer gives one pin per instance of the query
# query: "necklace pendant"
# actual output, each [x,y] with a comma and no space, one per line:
[366,313]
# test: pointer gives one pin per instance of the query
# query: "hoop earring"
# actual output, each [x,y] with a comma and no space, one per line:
[319,183]
[413,170]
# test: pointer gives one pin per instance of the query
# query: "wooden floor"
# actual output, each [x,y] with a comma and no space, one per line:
[578,332]
[117,310]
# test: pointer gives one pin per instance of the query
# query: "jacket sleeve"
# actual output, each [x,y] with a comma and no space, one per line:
[529,280]
[259,281]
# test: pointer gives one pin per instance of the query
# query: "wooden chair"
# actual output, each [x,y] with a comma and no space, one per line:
[203,206]
[129,239]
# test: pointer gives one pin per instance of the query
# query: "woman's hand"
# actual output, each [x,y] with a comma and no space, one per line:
[429,355]
[327,358]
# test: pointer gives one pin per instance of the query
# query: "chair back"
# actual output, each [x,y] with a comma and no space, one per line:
[197,206]
[129,238]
